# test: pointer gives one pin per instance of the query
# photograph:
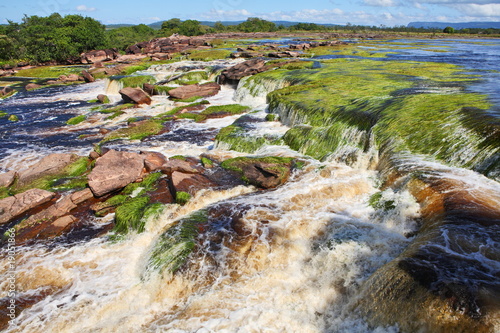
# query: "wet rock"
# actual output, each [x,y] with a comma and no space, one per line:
[104,99]
[136,95]
[153,161]
[6,90]
[32,86]
[190,183]
[284,54]
[57,227]
[150,89]
[12,207]
[247,68]
[115,170]
[179,165]
[195,90]
[88,77]
[266,172]
[7,178]
[50,165]
[81,196]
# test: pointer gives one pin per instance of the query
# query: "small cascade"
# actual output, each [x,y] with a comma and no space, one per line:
[113,86]
[253,91]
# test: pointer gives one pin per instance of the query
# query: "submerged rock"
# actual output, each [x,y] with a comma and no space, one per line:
[136,95]
[115,170]
[263,172]
[14,206]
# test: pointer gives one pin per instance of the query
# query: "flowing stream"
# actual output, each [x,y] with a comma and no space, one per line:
[304,257]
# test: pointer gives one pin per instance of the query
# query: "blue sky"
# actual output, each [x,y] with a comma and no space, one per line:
[366,12]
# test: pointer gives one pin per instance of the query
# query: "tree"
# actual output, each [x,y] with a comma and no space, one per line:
[190,28]
[123,37]
[172,24]
[254,24]
[448,30]
[219,26]
[53,38]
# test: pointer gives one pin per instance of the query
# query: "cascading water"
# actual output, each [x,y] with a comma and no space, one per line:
[366,240]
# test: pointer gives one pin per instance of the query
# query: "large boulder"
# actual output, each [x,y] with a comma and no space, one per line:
[15,206]
[115,170]
[193,90]
[247,68]
[136,95]
[153,161]
[50,165]
[176,164]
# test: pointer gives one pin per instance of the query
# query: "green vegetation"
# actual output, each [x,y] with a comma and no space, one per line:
[128,216]
[140,131]
[387,100]
[67,178]
[44,39]
[13,118]
[208,55]
[207,163]
[235,137]
[173,248]
[117,108]
[123,37]
[182,197]
[192,78]
[3,114]
[377,202]
[279,165]
[115,114]
[136,80]
[76,120]
[147,184]
[49,71]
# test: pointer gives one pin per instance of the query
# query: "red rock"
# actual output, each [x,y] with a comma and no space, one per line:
[81,196]
[12,207]
[7,178]
[247,68]
[153,160]
[103,98]
[96,56]
[88,77]
[176,164]
[190,183]
[50,165]
[136,95]
[115,170]
[32,86]
[200,90]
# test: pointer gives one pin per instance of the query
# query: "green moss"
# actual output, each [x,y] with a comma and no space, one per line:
[377,202]
[147,184]
[75,183]
[192,78]
[280,166]
[13,118]
[134,68]
[4,192]
[115,115]
[139,132]
[12,93]
[194,116]
[128,216]
[231,109]
[173,248]
[117,108]
[178,157]
[179,109]
[136,81]
[76,120]
[182,197]
[3,114]
[48,71]
[208,55]
[153,211]
[187,100]
[271,117]
[163,90]
[207,163]
[235,137]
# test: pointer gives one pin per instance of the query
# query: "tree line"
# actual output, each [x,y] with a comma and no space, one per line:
[57,38]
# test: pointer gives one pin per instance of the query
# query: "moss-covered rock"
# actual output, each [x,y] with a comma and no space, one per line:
[76,120]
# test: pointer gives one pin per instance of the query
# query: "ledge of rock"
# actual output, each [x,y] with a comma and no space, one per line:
[50,165]
[136,95]
[247,68]
[115,170]
[12,207]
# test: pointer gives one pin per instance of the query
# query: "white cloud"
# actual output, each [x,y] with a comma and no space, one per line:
[379,3]
[83,8]
[488,10]
[227,15]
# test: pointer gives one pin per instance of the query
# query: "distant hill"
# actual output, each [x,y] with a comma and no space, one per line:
[157,25]
[462,25]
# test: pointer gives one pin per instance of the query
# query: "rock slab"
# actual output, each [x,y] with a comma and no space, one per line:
[115,170]
[12,207]
[195,90]
[136,95]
